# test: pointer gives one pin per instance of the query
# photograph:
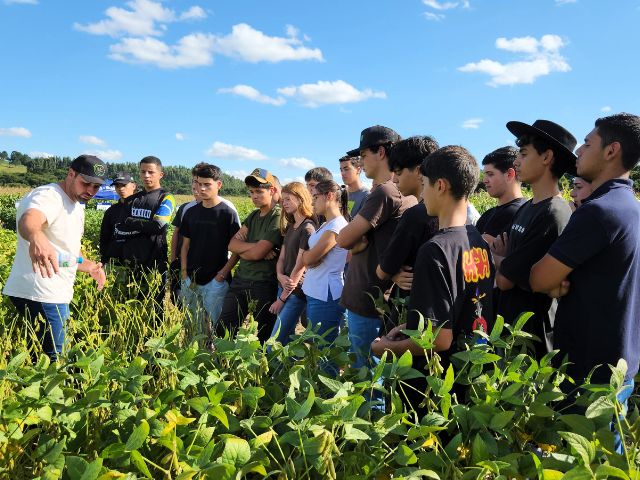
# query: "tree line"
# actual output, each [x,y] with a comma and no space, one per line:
[42,170]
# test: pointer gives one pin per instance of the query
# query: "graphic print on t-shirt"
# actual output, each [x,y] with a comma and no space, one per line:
[475,265]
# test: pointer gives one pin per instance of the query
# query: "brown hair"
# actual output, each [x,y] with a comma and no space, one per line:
[342,195]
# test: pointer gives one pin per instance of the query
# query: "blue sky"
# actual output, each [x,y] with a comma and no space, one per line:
[286,85]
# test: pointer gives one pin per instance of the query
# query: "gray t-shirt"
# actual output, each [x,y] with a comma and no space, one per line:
[358,197]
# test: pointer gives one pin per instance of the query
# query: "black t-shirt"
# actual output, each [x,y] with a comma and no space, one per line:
[497,220]
[598,321]
[209,230]
[382,209]
[177,221]
[534,229]
[453,284]
[110,246]
[414,228]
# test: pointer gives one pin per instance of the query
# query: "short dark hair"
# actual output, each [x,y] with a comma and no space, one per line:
[541,145]
[410,152]
[206,170]
[501,158]
[152,159]
[625,129]
[355,161]
[196,167]
[319,174]
[456,165]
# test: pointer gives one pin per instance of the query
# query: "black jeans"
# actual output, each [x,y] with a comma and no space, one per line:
[236,306]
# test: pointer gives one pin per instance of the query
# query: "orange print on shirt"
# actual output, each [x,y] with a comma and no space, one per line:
[475,265]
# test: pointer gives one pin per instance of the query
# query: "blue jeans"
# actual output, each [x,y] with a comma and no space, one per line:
[325,317]
[288,317]
[55,315]
[204,302]
[362,331]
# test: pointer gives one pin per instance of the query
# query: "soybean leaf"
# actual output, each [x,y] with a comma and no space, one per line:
[138,461]
[237,452]
[138,436]
[583,447]
[405,456]
[305,408]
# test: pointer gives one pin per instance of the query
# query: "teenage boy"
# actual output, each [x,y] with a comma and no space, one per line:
[454,274]
[502,184]
[144,231]
[176,240]
[546,153]
[315,176]
[109,246]
[257,243]
[207,228]
[50,222]
[367,236]
[416,226]
[595,263]
[350,169]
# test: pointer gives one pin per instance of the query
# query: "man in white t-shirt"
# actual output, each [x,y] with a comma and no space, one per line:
[50,224]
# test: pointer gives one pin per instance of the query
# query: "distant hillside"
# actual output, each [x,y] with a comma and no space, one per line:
[20,170]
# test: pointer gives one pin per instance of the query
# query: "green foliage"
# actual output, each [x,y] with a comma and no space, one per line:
[19,169]
[130,399]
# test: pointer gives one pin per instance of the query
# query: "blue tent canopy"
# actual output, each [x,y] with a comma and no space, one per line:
[106,191]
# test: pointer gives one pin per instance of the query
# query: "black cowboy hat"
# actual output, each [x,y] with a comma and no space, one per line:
[558,137]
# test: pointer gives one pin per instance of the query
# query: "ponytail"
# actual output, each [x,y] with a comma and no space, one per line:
[344,203]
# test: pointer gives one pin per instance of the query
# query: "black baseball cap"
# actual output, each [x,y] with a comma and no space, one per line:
[91,168]
[122,178]
[374,136]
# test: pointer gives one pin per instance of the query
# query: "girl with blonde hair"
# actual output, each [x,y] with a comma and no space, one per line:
[297,223]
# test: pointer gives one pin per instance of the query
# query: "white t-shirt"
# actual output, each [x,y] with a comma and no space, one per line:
[329,273]
[64,229]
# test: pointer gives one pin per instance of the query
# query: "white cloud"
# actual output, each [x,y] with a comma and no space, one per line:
[41,155]
[440,6]
[605,109]
[198,49]
[323,92]
[518,44]
[292,179]
[241,174]
[565,2]
[194,50]
[180,136]
[434,17]
[22,2]
[472,123]
[297,162]
[234,152]
[92,140]
[108,155]
[145,18]
[15,132]
[253,94]
[251,45]
[542,57]
[194,13]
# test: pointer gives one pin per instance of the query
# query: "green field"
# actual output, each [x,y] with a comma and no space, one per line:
[130,399]
[8,169]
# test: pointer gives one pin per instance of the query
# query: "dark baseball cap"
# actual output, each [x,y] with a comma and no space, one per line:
[91,168]
[122,178]
[374,136]
[260,178]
